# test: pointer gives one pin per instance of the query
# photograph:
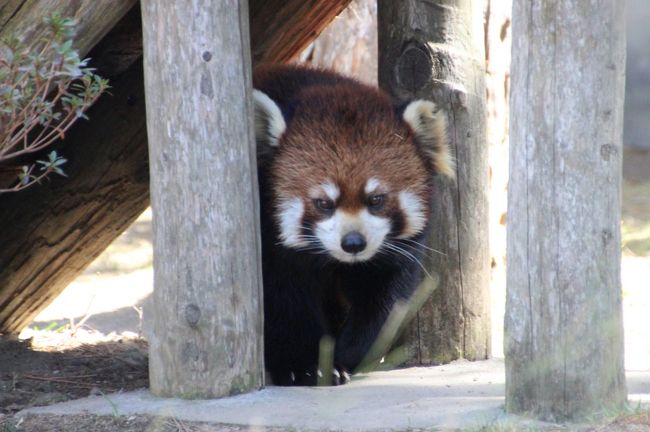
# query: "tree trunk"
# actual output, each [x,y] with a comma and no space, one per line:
[435,50]
[564,333]
[207,319]
[53,231]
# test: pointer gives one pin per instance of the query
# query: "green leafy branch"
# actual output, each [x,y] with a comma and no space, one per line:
[44,88]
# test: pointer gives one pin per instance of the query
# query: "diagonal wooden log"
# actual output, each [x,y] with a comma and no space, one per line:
[49,234]
[94,18]
[280,29]
[53,231]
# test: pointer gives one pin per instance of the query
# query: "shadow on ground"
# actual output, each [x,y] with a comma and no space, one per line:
[29,377]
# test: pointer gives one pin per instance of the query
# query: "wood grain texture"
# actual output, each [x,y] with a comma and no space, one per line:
[434,50]
[65,247]
[94,18]
[349,44]
[54,230]
[207,319]
[281,29]
[563,326]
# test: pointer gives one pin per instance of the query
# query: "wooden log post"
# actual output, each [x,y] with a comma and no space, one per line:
[434,50]
[207,317]
[53,231]
[563,326]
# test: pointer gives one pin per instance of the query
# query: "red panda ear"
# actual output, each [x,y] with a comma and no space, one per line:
[429,126]
[269,122]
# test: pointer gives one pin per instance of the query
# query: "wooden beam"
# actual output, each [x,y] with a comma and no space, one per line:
[563,323]
[434,50]
[94,18]
[49,236]
[54,230]
[281,29]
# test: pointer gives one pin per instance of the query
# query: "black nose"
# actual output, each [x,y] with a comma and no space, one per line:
[353,242]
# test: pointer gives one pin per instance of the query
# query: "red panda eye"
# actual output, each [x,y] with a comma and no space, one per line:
[324,205]
[376,201]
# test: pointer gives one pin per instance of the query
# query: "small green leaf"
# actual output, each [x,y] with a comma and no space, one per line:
[31,76]
[67,45]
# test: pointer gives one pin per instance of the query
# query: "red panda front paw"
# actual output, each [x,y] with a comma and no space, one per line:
[314,377]
[340,376]
[311,377]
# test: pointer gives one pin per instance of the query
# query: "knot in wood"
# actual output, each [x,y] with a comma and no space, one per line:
[206,85]
[461,98]
[190,352]
[207,56]
[414,68]
[607,237]
[607,151]
[192,315]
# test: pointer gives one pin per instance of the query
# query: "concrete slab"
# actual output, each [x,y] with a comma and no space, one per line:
[459,395]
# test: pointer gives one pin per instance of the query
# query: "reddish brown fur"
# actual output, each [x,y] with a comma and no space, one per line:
[347,133]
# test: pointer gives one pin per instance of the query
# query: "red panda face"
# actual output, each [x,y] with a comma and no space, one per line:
[350,228]
[348,174]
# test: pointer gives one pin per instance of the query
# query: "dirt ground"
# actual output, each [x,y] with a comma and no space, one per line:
[30,377]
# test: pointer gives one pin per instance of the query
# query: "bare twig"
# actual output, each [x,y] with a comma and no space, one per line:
[58,380]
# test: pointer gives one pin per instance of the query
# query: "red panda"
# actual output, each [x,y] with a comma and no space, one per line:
[346,187]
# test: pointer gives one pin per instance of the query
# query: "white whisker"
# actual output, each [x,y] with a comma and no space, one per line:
[424,246]
[416,249]
[408,255]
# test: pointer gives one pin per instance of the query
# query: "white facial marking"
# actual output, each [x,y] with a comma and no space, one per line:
[372,185]
[414,213]
[290,214]
[330,189]
[269,122]
[331,230]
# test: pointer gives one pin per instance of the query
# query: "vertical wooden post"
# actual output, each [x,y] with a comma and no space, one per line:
[564,332]
[434,50]
[207,324]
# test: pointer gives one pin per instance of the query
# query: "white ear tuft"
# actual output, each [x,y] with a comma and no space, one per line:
[429,125]
[269,122]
